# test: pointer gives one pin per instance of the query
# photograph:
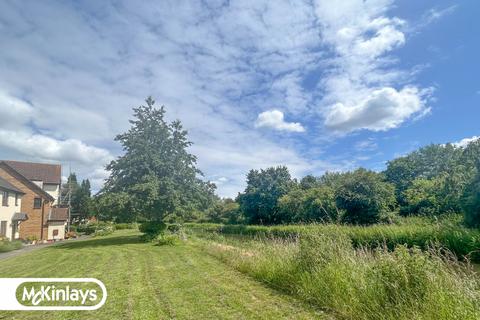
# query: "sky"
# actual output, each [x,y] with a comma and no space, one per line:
[314,85]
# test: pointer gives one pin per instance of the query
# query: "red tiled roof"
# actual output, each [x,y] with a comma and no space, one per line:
[4,184]
[48,173]
[58,214]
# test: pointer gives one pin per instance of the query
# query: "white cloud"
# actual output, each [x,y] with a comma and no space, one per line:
[383,109]
[14,113]
[361,88]
[274,119]
[46,148]
[216,66]
[464,142]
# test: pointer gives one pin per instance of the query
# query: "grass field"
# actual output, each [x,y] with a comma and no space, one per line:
[145,281]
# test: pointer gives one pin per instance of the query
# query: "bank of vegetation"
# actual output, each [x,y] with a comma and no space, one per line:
[328,271]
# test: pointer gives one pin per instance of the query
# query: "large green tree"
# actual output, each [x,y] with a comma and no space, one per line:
[259,200]
[425,163]
[310,205]
[365,196]
[157,174]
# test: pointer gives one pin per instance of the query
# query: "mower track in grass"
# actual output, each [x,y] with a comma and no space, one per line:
[145,281]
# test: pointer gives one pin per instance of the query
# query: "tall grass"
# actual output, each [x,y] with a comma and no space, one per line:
[359,283]
[463,242]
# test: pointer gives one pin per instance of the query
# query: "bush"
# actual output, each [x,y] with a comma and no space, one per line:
[71,235]
[123,226]
[151,230]
[7,245]
[168,240]
[95,227]
[365,197]
[31,239]
[311,205]
[104,231]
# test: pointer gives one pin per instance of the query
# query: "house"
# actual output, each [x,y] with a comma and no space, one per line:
[10,215]
[40,185]
[46,176]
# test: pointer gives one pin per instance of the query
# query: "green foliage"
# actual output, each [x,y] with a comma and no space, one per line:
[327,271]
[224,211]
[259,200]
[317,204]
[96,228]
[472,202]
[113,206]
[152,230]
[80,197]
[422,197]
[365,197]
[309,182]
[433,180]
[124,226]
[157,176]
[7,245]
[447,233]
[104,230]
[168,240]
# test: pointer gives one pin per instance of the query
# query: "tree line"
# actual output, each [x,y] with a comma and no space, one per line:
[431,181]
[157,179]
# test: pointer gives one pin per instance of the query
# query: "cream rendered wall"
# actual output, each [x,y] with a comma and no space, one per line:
[53,190]
[6,213]
[60,226]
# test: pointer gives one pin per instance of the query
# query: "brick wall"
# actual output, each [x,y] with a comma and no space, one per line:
[32,226]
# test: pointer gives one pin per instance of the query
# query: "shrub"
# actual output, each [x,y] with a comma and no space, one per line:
[31,238]
[7,245]
[123,226]
[104,231]
[94,227]
[71,234]
[168,240]
[311,205]
[365,197]
[151,230]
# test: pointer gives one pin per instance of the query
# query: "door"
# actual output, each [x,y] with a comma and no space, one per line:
[3,229]
[14,229]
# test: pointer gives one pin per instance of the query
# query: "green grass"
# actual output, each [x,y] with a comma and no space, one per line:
[327,271]
[145,281]
[461,241]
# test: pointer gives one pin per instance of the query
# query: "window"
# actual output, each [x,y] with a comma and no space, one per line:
[16,199]
[3,229]
[55,232]
[5,199]
[37,203]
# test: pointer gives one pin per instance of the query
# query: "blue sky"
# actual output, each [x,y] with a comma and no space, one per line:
[314,85]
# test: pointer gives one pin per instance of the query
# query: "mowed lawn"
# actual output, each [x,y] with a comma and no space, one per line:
[145,281]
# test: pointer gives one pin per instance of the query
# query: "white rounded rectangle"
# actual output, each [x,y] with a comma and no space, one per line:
[9,286]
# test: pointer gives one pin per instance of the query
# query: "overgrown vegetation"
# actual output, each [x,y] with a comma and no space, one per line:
[423,233]
[325,269]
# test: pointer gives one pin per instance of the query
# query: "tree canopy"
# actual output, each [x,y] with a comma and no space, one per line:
[156,177]
[264,187]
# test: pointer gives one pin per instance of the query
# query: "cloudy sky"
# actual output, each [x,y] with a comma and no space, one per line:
[314,85]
